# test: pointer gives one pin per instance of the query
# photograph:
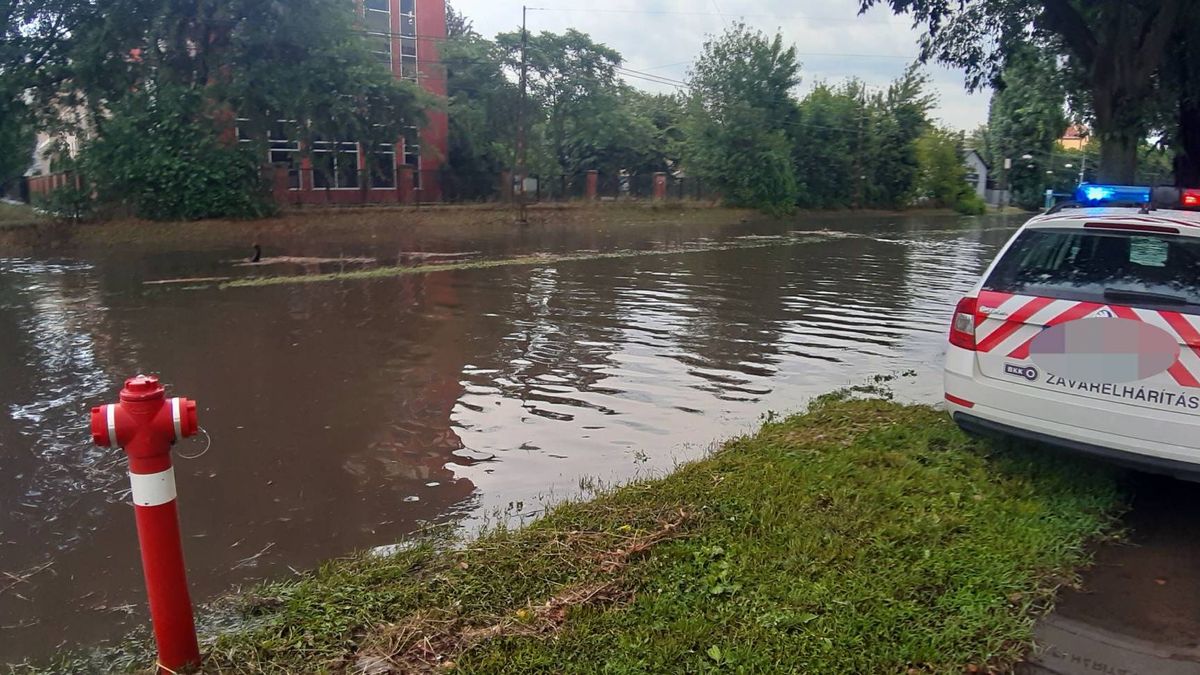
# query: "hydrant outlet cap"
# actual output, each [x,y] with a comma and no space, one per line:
[99,427]
[142,388]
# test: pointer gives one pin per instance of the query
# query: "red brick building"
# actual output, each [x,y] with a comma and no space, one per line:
[404,34]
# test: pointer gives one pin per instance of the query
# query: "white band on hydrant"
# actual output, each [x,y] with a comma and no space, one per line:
[153,489]
[176,418]
[110,413]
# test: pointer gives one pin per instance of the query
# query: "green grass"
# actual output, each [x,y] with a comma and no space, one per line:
[17,214]
[861,537]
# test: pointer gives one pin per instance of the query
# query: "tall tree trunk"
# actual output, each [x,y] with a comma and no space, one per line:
[1118,158]
[1187,158]
[1117,131]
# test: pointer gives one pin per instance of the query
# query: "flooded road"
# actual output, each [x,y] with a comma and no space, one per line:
[346,414]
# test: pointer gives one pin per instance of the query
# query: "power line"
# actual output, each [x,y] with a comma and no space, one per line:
[668,12]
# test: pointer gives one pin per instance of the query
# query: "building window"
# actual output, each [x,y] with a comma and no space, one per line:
[408,39]
[377,15]
[283,146]
[285,150]
[412,154]
[383,166]
[335,165]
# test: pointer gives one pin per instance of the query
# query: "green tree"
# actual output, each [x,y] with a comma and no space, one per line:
[573,90]
[16,142]
[1115,49]
[1180,100]
[742,117]
[482,104]
[830,144]
[1026,118]
[857,149]
[899,117]
[306,62]
[159,154]
[942,178]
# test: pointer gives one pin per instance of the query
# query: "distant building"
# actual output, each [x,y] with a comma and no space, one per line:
[977,172]
[404,34]
[1076,137]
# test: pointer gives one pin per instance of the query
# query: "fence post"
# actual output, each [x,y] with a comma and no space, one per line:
[404,183]
[506,186]
[593,183]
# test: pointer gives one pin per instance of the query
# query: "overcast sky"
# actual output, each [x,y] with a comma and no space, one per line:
[661,37]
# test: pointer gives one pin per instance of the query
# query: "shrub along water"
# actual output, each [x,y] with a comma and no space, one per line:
[863,536]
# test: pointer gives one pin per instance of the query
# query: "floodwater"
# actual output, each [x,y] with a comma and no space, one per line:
[344,415]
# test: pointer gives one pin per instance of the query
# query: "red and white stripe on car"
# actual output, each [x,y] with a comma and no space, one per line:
[1006,324]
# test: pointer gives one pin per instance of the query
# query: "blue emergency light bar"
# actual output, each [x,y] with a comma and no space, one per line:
[1097,195]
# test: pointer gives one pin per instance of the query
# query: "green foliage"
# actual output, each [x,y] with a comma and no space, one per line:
[738,133]
[1027,118]
[482,105]
[943,176]
[861,537]
[71,202]
[1114,52]
[304,60]
[856,149]
[16,141]
[578,117]
[971,204]
[830,144]
[159,154]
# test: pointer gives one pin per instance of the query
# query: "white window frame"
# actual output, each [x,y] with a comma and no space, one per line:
[339,149]
[388,151]
[414,150]
[391,49]
[405,35]
[275,145]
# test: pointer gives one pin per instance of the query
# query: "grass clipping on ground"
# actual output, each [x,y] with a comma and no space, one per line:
[863,536]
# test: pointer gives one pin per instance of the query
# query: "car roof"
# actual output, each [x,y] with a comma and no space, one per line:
[1184,222]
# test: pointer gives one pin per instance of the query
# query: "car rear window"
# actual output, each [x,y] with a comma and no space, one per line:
[1157,271]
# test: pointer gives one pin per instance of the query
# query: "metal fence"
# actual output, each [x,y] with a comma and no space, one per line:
[562,187]
[295,187]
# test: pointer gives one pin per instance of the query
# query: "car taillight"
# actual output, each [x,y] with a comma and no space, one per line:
[962,326]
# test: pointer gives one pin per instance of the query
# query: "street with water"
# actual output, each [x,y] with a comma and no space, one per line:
[346,414]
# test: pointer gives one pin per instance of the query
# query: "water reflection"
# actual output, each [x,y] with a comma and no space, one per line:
[344,415]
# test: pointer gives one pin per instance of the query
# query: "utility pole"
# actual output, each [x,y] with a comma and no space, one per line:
[522,167]
[1082,166]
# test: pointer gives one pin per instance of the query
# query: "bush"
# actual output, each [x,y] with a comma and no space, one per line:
[160,154]
[69,202]
[970,204]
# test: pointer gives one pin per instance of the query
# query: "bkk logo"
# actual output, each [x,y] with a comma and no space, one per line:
[1028,372]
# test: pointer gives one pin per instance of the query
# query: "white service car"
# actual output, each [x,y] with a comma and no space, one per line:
[1085,332]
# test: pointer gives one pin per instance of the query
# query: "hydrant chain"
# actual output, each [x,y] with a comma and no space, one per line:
[207,446]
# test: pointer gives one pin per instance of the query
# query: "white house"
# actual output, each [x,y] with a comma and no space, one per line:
[977,172]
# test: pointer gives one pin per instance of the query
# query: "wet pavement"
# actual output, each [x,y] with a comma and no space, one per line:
[1138,612]
[345,415]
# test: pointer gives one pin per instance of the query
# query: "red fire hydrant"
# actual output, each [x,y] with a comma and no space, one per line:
[146,424]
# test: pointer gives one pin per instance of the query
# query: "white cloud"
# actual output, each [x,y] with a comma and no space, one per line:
[663,36]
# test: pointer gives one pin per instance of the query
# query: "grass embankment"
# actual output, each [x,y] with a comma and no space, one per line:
[371,225]
[15,215]
[861,537]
